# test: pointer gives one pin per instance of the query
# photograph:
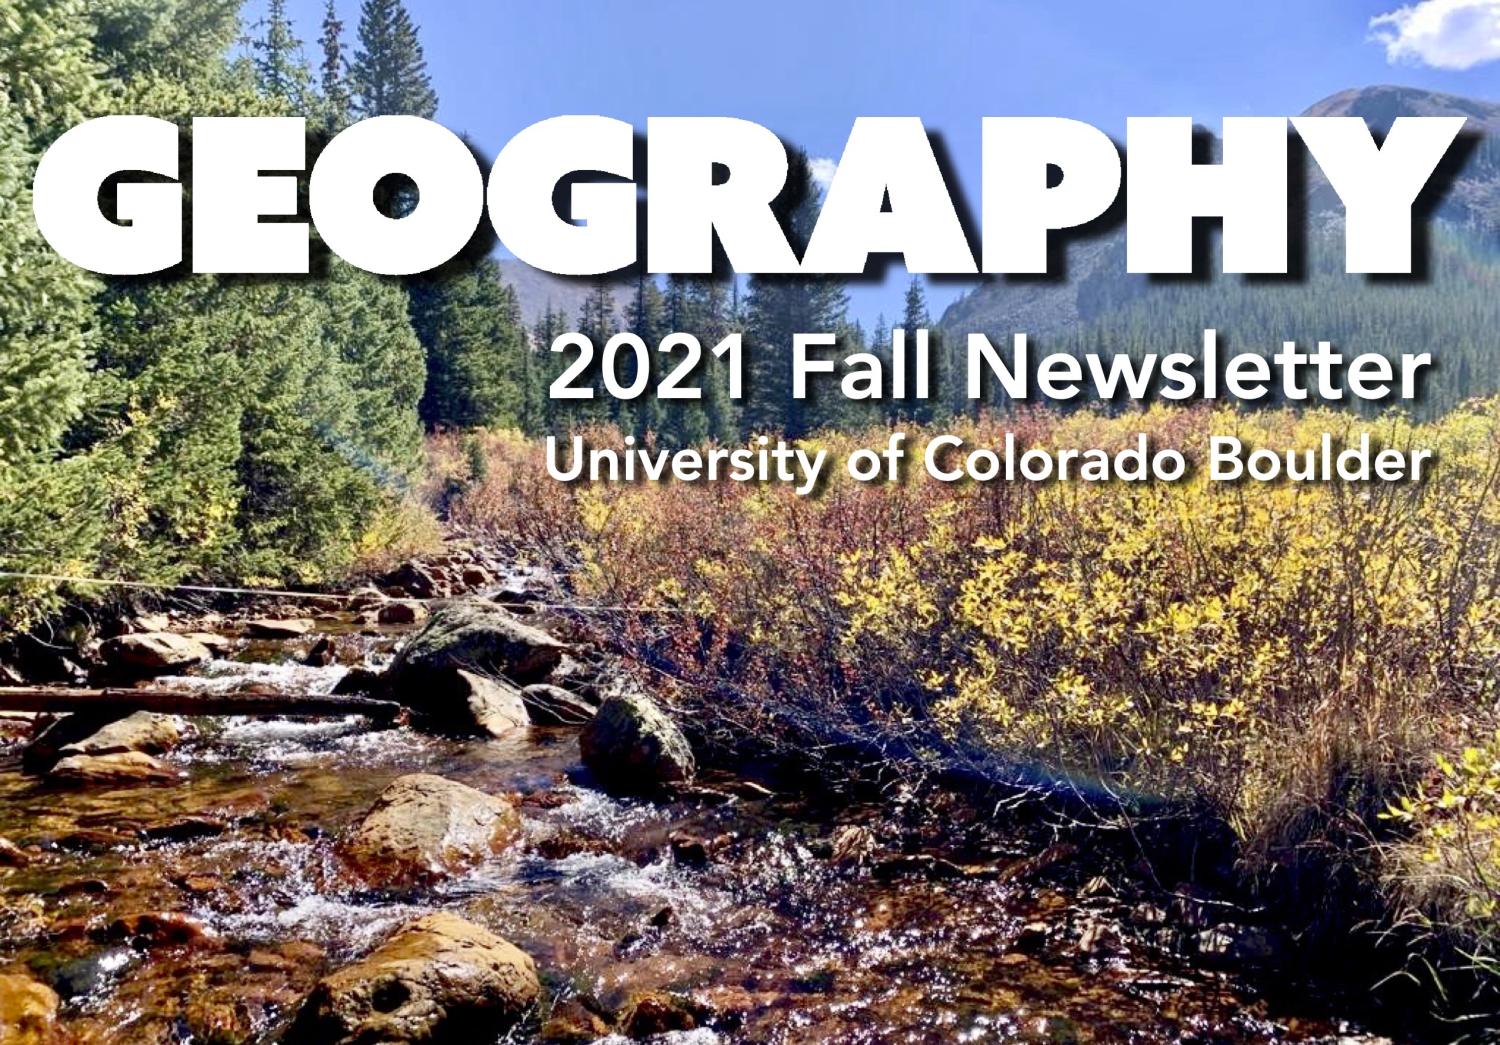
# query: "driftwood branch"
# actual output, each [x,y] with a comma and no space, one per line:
[176,702]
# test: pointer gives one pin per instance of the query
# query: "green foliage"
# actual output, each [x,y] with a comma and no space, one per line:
[47,66]
[333,72]
[44,341]
[470,325]
[280,69]
[388,76]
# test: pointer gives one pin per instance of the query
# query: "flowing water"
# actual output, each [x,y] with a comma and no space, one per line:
[781,942]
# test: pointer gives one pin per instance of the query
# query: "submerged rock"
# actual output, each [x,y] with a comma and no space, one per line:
[631,745]
[126,769]
[94,734]
[28,1011]
[657,1012]
[438,979]
[152,653]
[573,1023]
[470,636]
[424,827]
[554,706]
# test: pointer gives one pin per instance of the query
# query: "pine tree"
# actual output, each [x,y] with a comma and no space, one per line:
[388,76]
[469,324]
[334,71]
[779,306]
[644,318]
[280,70]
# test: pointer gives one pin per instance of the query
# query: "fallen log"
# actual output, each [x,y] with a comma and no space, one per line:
[176,702]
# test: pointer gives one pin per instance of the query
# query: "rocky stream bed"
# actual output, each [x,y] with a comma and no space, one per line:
[474,876]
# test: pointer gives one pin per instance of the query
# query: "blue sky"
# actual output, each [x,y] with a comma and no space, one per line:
[806,68]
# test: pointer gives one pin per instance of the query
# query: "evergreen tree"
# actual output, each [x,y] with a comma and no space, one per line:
[388,76]
[779,306]
[469,324]
[596,321]
[334,71]
[280,69]
[644,318]
[46,513]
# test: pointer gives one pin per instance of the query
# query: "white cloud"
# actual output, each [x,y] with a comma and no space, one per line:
[822,168]
[1445,34]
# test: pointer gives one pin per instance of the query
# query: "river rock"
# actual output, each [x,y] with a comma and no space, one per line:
[495,707]
[28,1011]
[268,628]
[554,706]
[93,734]
[152,653]
[424,827]
[405,611]
[631,745]
[126,769]
[473,636]
[438,979]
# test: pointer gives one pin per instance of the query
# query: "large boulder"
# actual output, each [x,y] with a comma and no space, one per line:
[95,734]
[28,1011]
[632,746]
[424,827]
[472,636]
[152,653]
[438,979]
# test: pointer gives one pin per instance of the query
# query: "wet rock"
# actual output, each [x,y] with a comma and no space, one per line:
[439,979]
[415,579]
[423,827]
[554,706]
[128,769]
[1225,943]
[851,845]
[269,628]
[323,653]
[151,653]
[142,731]
[475,577]
[471,636]
[184,829]
[158,929]
[657,1012]
[28,1011]
[688,850]
[403,612]
[365,598]
[217,644]
[917,865]
[493,707]
[632,746]
[1032,937]
[573,1023]
[358,681]
[1101,939]
[12,855]
[579,679]
[95,734]
[91,974]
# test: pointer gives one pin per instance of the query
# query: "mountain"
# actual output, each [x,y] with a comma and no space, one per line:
[536,291]
[1097,286]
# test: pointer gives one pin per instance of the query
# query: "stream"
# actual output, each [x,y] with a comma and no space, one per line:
[204,911]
